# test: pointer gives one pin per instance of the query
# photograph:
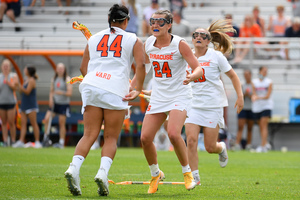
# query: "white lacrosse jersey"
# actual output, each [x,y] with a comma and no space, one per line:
[169,70]
[111,57]
[261,89]
[208,91]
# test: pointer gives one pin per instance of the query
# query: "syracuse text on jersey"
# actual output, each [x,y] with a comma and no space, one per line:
[103,75]
[160,57]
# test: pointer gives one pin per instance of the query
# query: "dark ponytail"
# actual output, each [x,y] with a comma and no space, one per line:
[32,71]
[117,13]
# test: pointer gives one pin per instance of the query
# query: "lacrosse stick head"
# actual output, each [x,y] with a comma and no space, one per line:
[85,31]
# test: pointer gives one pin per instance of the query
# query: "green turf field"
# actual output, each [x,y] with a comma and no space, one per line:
[39,174]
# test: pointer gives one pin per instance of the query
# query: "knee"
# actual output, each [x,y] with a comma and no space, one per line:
[210,148]
[145,140]
[174,136]
[192,141]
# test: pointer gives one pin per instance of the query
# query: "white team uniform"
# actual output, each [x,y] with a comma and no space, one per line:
[209,96]
[168,91]
[261,89]
[107,78]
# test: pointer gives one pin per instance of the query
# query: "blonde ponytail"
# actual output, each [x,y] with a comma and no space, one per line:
[218,37]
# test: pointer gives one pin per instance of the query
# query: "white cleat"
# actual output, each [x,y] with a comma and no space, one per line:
[38,145]
[102,182]
[73,180]
[223,156]
[197,180]
[18,144]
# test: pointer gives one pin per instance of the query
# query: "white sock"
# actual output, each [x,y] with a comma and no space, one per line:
[195,173]
[154,170]
[106,163]
[77,161]
[62,141]
[222,148]
[186,169]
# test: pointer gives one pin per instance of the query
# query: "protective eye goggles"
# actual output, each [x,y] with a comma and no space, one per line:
[160,21]
[202,34]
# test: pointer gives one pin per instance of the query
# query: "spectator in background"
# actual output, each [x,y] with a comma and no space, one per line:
[29,107]
[236,33]
[134,9]
[177,5]
[295,7]
[68,3]
[292,32]
[229,20]
[12,9]
[246,115]
[59,102]
[260,21]
[8,85]
[147,13]
[278,23]
[180,26]
[248,29]
[262,105]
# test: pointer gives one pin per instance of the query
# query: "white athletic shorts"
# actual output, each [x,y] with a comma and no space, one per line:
[206,117]
[181,104]
[97,97]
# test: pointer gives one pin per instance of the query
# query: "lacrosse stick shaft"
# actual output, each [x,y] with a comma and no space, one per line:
[147,183]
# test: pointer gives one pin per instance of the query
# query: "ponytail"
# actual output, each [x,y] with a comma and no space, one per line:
[218,35]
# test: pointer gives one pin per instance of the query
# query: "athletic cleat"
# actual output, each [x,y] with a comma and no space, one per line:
[102,182]
[189,181]
[18,144]
[197,180]
[73,180]
[223,156]
[58,145]
[154,182]
[38,145]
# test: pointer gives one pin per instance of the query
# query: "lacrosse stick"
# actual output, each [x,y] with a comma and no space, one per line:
[144,183]
[85,31]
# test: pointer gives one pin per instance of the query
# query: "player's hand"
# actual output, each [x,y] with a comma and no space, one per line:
[239,104]
[132,95]
[188,78]
[254,98]
[147,92]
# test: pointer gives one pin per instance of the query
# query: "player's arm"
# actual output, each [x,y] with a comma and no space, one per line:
[188,55]
[85,61]
[30,87]
[69,91]
[51,93]
[239,104]
[139,57]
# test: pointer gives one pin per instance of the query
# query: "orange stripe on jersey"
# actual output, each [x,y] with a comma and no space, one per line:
[160,57]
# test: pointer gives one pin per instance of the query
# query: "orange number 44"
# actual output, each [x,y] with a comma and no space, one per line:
[115,46]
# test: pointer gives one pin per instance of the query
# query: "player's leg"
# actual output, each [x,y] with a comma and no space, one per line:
[21,142]
[36,129]
[213,147]
[175,124]
[3,116]
[11,119]
[92,119]
[192,131]
[151,124]
[113,121]
[241,124]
